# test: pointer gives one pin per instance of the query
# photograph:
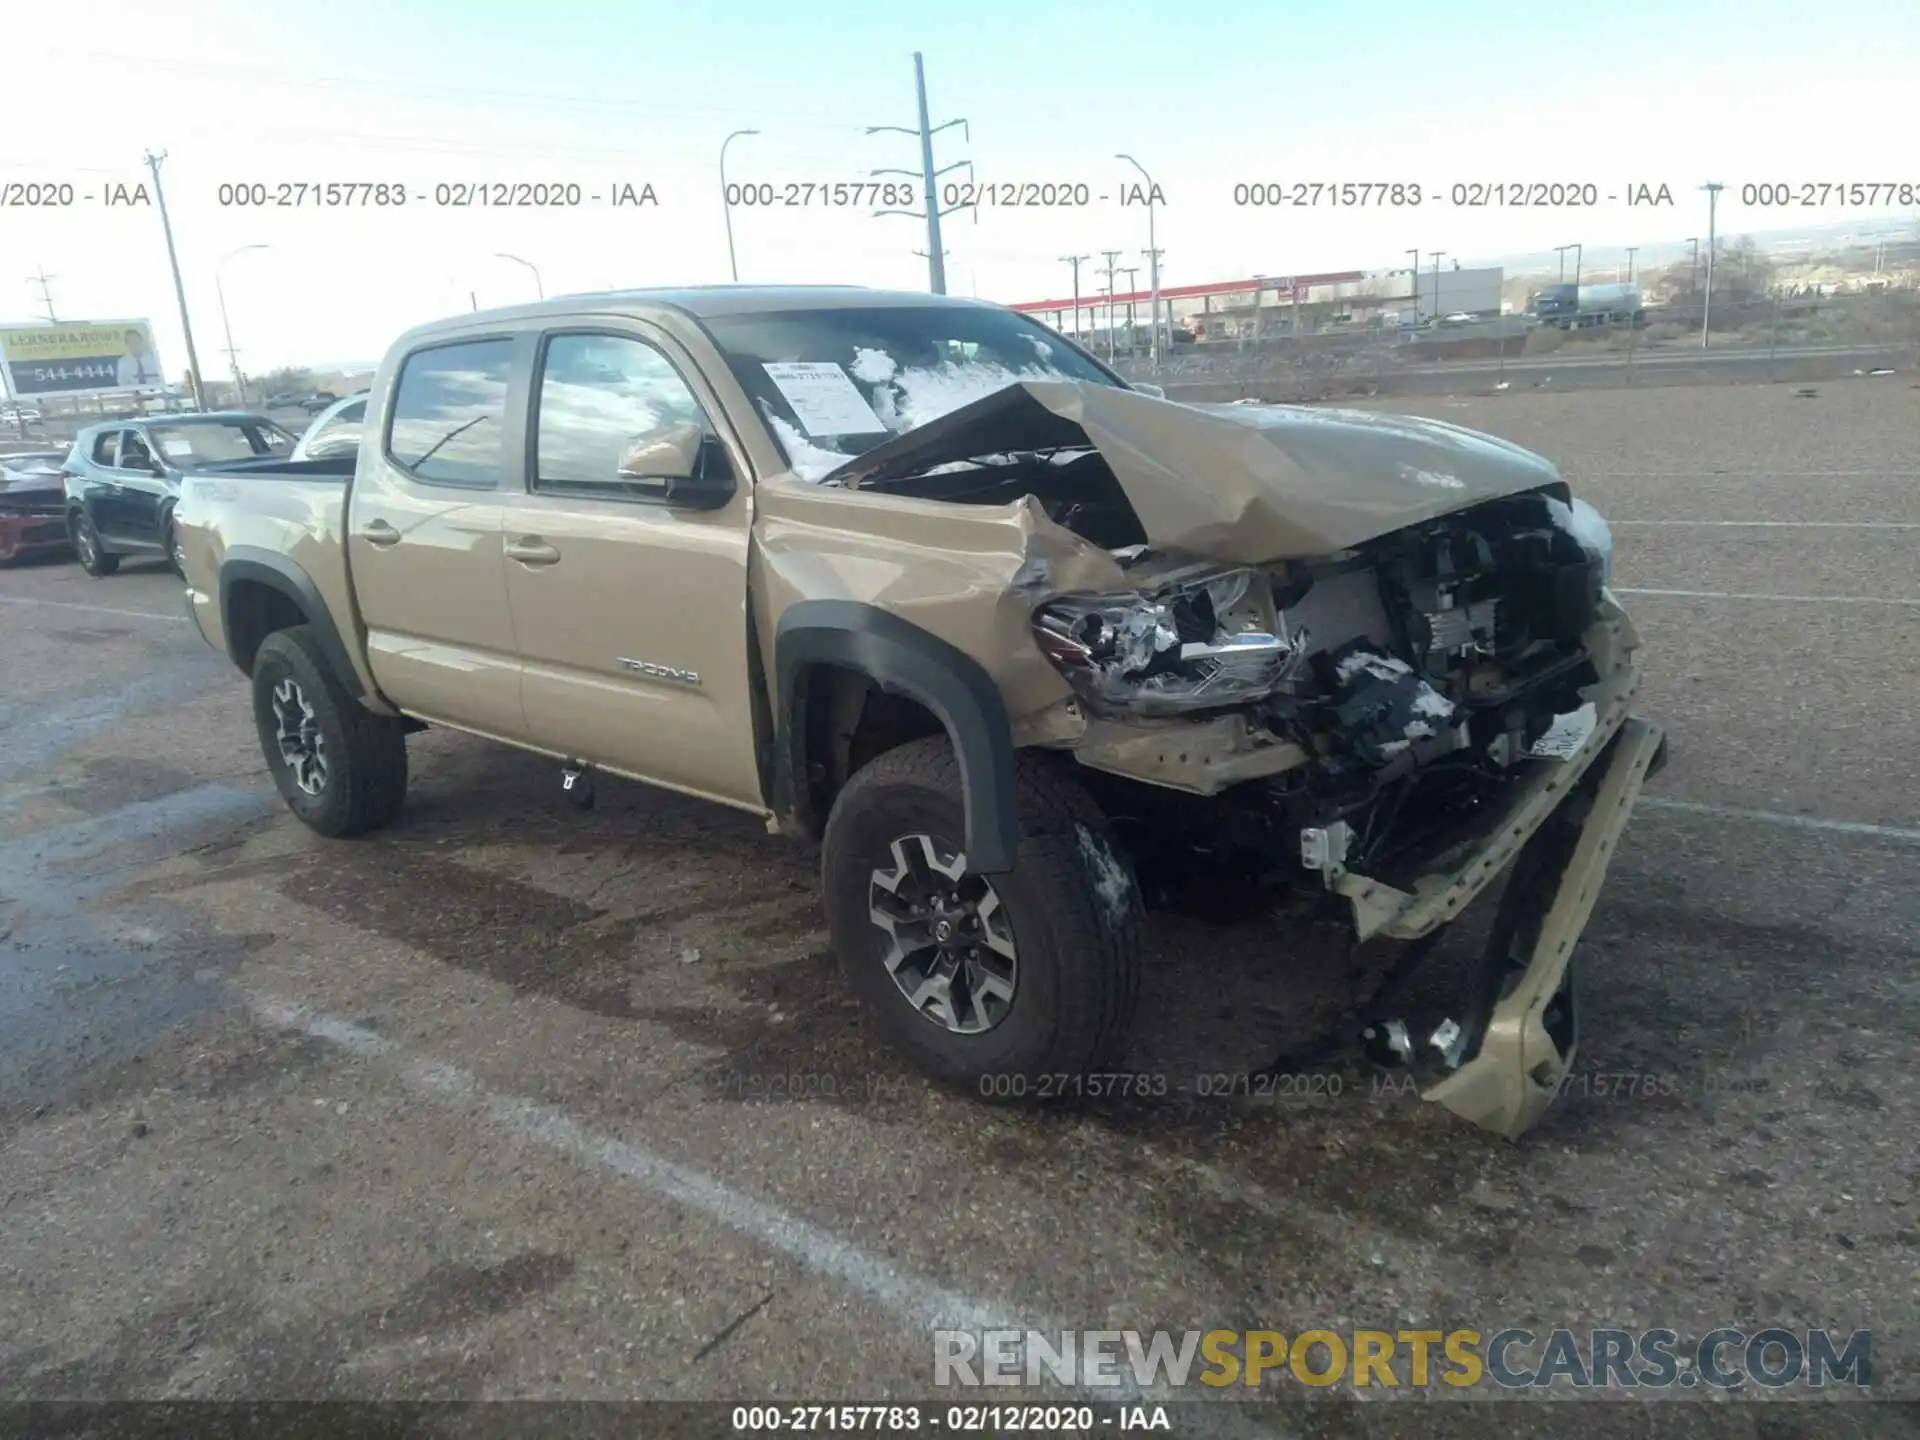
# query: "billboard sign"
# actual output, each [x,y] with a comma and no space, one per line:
[80,358]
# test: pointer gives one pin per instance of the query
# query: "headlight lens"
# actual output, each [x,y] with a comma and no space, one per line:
[1214,640]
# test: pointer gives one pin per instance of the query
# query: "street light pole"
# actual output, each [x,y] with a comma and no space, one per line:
[1076,261]
[726,201]
[1436,282]
[179,287]
[1153,258]
[538,288]
[1713,189]
[219,289]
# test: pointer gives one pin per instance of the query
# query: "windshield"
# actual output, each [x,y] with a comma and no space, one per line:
[832,384]
[209,442]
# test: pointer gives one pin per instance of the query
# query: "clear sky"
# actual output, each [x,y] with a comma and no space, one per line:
[594,92]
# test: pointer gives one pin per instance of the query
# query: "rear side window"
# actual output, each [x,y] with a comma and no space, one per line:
[450,411]
[340,435]
[103,447]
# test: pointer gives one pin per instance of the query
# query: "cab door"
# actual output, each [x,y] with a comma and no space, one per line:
[424,539]
[631,612]
[117,459]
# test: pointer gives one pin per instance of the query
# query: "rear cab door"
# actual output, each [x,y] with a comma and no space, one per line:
[631,612]
[423,531]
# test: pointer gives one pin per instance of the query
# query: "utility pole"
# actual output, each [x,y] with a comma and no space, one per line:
[928,176]
[1630,250]
[1152,252]
[1579,251]
[1414,284]
[1693,272]
[179,289]
[1713,189]
[1561,251]
[1436,281]
[1132,289]
[1076,261]
[1112,255]
[42,279]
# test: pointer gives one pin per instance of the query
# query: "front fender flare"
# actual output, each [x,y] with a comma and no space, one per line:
[903,659]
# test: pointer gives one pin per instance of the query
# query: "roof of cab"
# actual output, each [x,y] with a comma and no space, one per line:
[708,301]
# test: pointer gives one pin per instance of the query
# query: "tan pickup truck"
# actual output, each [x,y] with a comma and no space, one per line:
[919,579]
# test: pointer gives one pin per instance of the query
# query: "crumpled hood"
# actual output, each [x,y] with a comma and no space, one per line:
[1244,484]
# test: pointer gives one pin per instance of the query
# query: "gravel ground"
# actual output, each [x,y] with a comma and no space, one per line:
[511,1102]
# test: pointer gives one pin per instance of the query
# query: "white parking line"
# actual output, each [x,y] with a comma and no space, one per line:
[1779,524]
[96,609]
[1797,599]
[908,1295]
[1779,817]
[912,1297]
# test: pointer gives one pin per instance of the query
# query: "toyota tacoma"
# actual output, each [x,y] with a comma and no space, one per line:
[919,579]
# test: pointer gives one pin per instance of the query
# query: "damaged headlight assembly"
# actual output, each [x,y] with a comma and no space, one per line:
[1212,640]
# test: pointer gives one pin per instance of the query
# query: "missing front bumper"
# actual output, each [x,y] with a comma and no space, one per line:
[1520,1043]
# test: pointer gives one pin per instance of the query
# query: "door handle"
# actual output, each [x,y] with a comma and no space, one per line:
[379,532]
[532,551]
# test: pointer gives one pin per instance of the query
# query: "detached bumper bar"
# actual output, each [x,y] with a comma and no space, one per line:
[1520,1045]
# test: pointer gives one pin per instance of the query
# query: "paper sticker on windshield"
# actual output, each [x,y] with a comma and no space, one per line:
[824,400]
[175,447]
[1566,735]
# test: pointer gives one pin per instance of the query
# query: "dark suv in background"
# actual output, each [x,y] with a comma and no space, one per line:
[123,477]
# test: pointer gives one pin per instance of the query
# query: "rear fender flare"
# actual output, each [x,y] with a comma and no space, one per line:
[249,563]
[903,659]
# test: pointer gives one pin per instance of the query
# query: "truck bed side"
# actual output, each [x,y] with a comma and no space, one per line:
[265,548]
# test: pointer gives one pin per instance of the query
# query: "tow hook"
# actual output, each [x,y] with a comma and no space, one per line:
[576,783]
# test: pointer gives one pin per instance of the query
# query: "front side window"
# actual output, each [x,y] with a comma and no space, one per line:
[599,394]
[103,444]
[450,412]
[134,454]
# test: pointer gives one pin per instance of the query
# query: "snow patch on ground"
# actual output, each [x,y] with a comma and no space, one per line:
[1112,882]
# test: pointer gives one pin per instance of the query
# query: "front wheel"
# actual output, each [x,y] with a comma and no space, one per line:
[86,544]
[340,768]
[994,983]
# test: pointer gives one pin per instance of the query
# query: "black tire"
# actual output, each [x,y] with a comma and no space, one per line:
[86,544]
[1073,904]
[365,755]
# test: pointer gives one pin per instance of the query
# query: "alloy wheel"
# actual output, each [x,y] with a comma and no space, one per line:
[296,730]
[950,944]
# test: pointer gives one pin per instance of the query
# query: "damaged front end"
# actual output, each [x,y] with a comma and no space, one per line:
[1386,731]
[1368,663]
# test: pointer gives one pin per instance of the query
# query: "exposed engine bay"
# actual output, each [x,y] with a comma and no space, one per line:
[1395,687]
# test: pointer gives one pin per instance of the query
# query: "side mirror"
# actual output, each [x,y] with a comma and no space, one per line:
[680,464]
[1158,392]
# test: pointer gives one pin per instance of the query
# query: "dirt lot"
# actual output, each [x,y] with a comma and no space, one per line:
[514,1102]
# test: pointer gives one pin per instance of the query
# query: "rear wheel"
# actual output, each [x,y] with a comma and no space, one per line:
[340,768]
[86,544]
[991,983]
